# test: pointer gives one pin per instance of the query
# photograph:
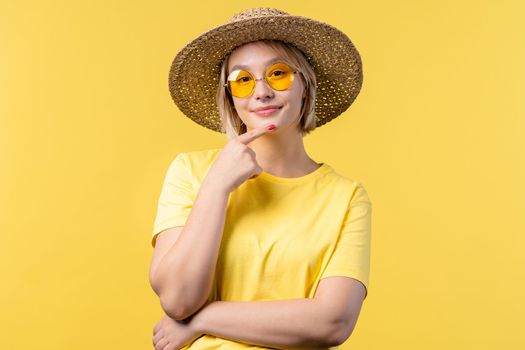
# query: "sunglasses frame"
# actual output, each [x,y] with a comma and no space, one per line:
[227,85]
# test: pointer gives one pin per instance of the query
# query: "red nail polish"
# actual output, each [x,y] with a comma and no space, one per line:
[271,127]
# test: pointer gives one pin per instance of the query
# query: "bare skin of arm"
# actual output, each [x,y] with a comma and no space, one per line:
[326,320]
[281,324]
[183,277]
[184,260]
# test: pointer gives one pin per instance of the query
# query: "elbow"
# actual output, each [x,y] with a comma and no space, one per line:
[171,303]
[177,301]
[339,333]
[175,308]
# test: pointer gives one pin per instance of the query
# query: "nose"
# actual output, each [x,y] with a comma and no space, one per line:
[262,90]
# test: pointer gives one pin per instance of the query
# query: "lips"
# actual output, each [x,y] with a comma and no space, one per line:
[267,110]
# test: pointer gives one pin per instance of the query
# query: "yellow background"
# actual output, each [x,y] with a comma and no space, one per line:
[88,129]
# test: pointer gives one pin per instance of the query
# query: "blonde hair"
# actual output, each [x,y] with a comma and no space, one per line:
[231,123]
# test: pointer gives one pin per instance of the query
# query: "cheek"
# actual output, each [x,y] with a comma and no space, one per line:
[239,104]
[295,99]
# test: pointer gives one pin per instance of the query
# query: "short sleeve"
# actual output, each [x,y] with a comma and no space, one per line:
[351,257]
[176,197]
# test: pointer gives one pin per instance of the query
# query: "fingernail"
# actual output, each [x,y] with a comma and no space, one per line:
[271,127]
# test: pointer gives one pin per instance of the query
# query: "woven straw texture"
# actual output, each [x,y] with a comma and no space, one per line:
[194,73]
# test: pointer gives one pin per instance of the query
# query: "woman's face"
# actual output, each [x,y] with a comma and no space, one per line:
[254,56]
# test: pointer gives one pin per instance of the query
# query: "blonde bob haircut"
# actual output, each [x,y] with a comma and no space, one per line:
[231,123]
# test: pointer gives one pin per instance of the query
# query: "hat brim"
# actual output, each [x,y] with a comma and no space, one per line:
[194,73]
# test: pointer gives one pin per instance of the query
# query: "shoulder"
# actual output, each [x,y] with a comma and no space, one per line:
[352,186]
[196,162]
[202,155]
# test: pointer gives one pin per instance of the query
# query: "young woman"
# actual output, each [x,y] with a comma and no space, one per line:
[256,244]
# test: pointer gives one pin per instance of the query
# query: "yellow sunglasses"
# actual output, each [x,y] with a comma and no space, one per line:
[279,76]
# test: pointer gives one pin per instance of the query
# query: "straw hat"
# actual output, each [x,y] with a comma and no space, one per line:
[194,73]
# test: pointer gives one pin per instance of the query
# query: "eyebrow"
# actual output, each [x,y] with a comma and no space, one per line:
[242,66]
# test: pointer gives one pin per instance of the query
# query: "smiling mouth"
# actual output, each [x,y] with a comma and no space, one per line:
[267,112]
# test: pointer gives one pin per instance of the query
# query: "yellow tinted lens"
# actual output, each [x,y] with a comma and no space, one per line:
[280,76]
[241,83]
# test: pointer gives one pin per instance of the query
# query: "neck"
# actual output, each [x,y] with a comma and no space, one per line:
[283,154]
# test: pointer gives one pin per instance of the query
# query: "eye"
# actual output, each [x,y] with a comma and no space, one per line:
[243,79]
[239,76]
[279,71]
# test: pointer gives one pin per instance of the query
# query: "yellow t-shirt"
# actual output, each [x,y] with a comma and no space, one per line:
[281,235]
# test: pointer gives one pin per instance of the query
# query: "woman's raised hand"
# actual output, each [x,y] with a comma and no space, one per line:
[236,163]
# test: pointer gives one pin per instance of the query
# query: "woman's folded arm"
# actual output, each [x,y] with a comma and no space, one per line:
[282,324]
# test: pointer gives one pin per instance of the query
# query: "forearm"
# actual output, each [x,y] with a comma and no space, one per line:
[282,324]
[185,274]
